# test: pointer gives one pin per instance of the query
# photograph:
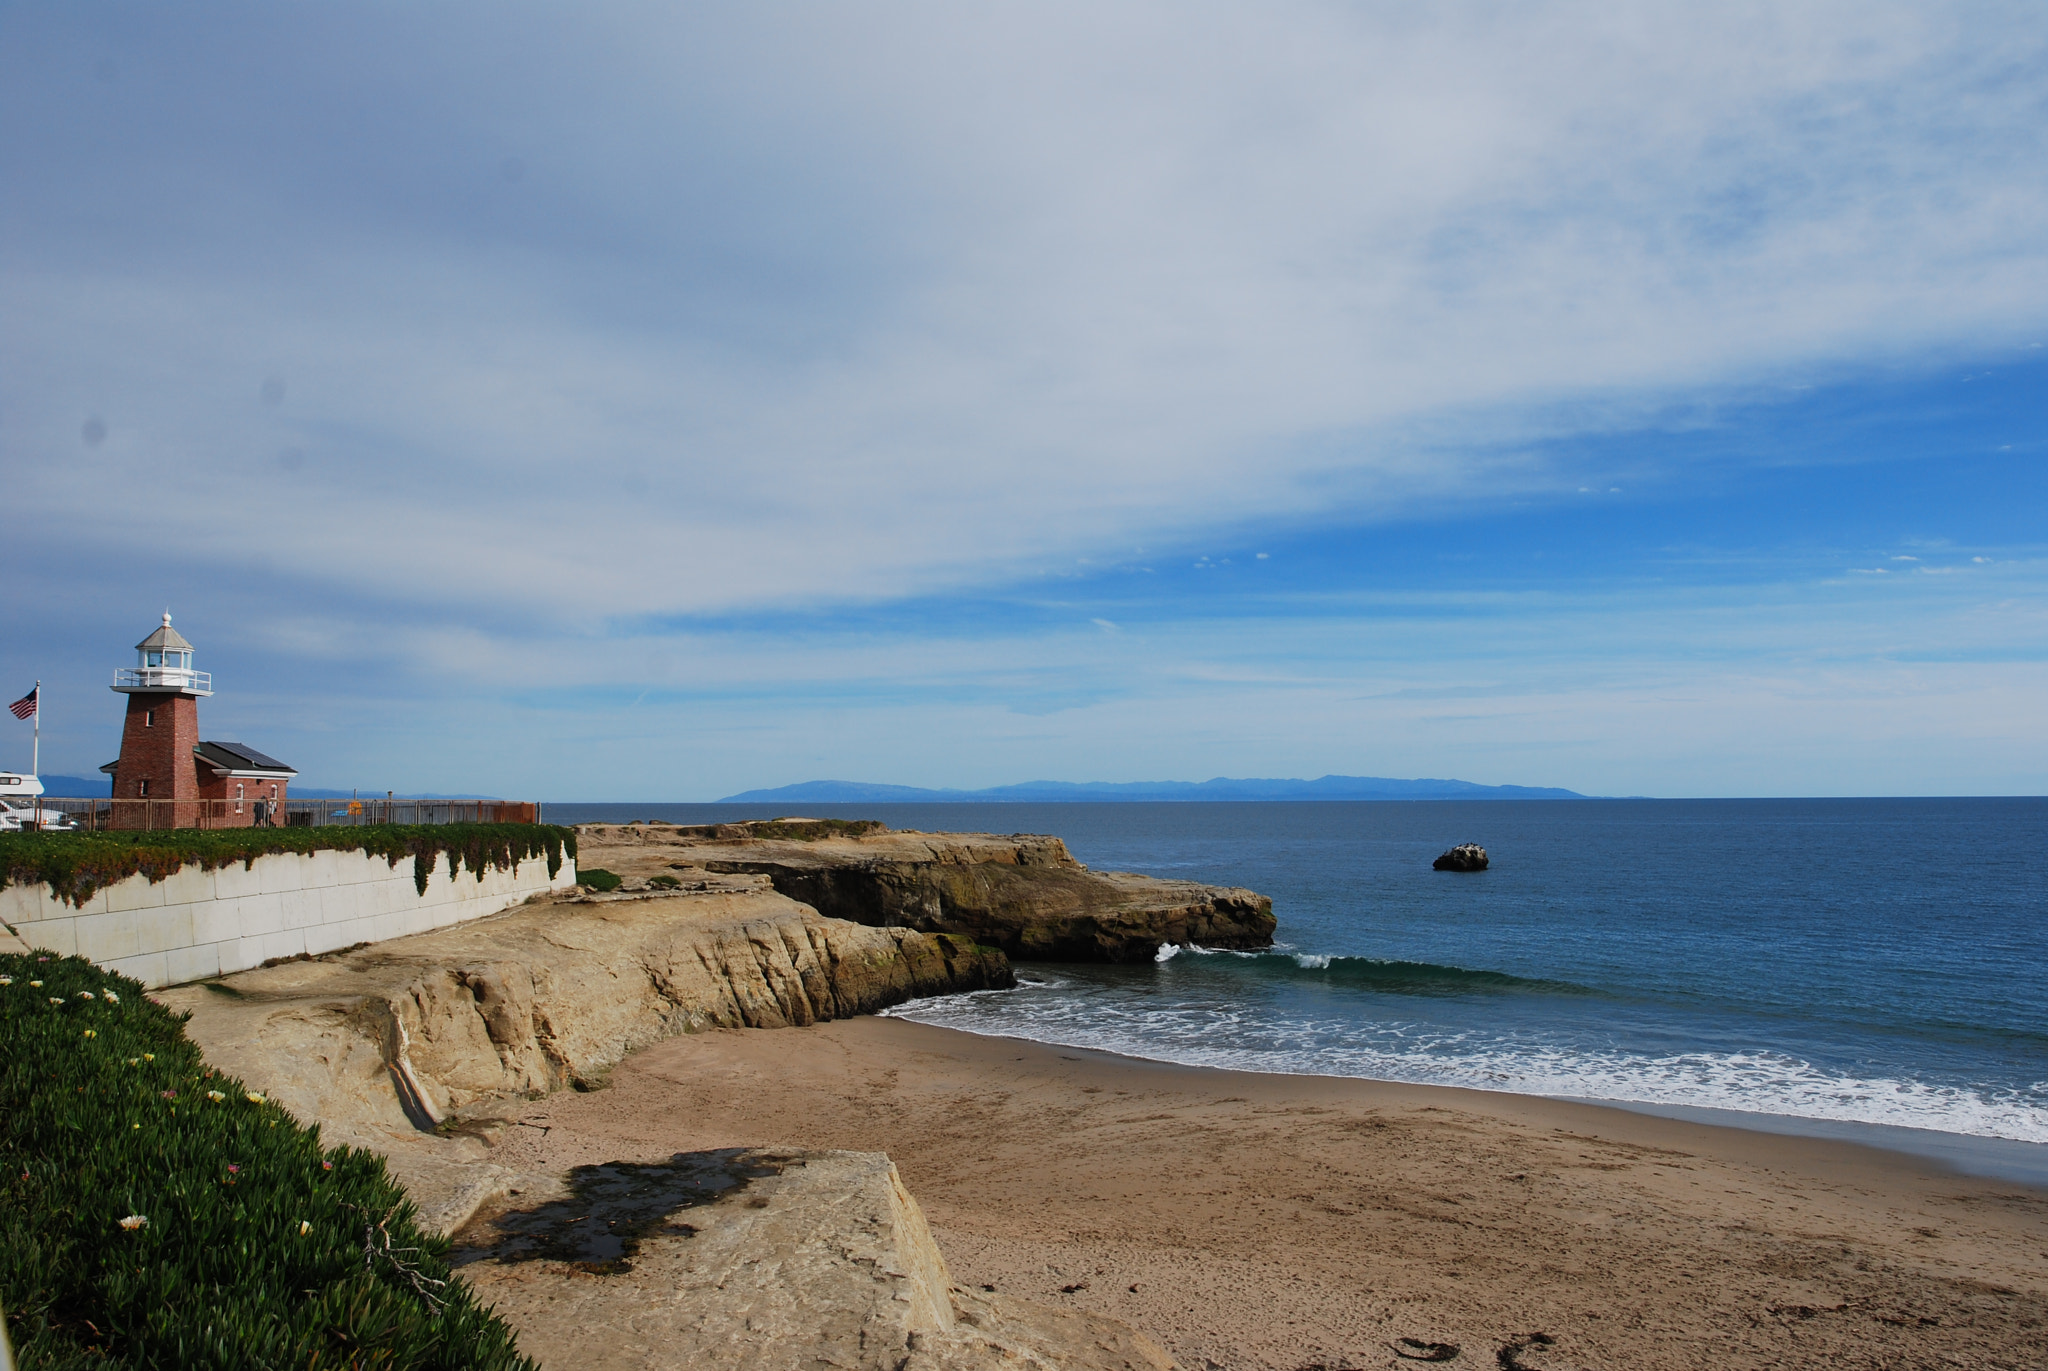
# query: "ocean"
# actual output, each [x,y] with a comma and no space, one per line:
[1874,969]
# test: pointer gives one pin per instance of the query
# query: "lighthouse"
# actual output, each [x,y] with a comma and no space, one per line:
[181,781]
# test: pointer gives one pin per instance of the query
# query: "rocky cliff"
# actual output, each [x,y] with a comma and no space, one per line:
[426,1048]
[1023,894]
[401,1044]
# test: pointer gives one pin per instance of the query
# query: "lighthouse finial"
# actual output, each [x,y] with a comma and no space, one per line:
[167,617]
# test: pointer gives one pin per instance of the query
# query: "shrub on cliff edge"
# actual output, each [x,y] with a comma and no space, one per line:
[154,1213]
[76,865]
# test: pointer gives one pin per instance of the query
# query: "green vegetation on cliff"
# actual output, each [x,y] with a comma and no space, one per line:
[810,830]
[154,1213]
[76,865]
[791,830]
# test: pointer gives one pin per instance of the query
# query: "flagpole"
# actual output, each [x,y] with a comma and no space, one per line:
[35,755]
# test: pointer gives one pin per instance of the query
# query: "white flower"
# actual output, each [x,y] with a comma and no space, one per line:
[55,1000]
[110,997]
[215,1096]
[6,980]
[135,1221]
[85,994]
[305,1227]
[255,1098]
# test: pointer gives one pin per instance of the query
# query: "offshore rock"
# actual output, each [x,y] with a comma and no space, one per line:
[1024,894]
[1463,857]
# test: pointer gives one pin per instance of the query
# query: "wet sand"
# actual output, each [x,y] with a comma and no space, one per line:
[1291,1222]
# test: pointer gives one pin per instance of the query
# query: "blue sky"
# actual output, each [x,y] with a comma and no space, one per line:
[654,404]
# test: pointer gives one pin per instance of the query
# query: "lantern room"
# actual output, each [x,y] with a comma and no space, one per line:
[163,663]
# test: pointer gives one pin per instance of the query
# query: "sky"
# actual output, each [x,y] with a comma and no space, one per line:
[654,402]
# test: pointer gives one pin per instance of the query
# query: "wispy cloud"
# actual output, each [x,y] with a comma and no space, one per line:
[1044,279]
[515,348]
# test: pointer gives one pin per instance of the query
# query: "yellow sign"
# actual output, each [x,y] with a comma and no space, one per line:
[355,806]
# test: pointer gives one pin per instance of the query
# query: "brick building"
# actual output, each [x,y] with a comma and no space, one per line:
[187,782]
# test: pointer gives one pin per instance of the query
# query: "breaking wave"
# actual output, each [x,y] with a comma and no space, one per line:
[1378,974]
[1237,1037]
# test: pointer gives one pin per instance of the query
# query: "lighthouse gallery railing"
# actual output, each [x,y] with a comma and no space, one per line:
[142,678]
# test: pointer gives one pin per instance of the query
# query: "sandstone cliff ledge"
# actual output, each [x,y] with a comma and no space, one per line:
[1024,894]
[426,1049]
[399,1044]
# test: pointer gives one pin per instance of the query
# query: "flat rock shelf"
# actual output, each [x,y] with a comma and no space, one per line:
[1022,893]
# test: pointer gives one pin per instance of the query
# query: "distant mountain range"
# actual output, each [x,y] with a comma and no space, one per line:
[1221,788]
[78,787]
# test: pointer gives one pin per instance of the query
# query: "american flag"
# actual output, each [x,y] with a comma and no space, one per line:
[26,705]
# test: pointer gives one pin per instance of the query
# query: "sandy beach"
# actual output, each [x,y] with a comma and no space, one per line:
[1289,1222]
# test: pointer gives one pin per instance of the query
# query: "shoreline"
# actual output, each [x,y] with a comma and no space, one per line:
[1274,1221]
[1929,1159]
[1966,1154]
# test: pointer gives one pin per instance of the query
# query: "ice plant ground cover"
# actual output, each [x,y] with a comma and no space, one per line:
[75,865]
[154,1213]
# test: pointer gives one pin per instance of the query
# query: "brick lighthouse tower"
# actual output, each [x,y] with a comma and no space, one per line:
[185,782]
[162,730]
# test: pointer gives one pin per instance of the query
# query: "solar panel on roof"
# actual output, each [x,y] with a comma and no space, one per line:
[255,759]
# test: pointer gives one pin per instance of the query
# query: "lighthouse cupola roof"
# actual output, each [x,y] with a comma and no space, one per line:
[163,665]
[165,639]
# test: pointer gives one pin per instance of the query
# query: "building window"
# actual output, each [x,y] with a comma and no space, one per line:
[149,718]
[240,790]
[142,788]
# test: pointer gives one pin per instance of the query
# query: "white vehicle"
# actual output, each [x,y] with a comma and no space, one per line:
[18,818]
[15,816]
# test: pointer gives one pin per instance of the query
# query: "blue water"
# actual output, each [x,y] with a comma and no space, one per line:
[1855,961]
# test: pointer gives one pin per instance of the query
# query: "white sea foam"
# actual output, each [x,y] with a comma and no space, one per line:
[1309,961]
[1166,953]
[1222,1034]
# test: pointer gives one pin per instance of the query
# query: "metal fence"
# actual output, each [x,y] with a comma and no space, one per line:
[74,815]
[324,813]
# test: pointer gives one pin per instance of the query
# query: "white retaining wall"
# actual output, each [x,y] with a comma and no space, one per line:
[207,923]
